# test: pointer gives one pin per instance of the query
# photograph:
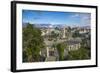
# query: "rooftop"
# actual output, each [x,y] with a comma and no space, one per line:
[73,41]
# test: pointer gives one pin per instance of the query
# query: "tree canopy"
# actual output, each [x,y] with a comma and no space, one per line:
[60,48]
[32,43]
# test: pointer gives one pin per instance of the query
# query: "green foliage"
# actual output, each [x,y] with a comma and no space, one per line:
[54,34]
[60,48]
[84,52]
[56,28]
[80,54]
[69,29]
[76,34]
[32,43]
[86,42]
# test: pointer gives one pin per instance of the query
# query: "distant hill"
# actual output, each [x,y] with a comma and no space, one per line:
[45,25]
[53,26]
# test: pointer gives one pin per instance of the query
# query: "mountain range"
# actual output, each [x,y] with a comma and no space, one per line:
[53,26]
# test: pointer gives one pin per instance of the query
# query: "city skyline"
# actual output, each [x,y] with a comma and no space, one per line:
[54,18]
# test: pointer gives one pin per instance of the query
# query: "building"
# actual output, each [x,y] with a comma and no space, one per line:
[73,45]
[84,31]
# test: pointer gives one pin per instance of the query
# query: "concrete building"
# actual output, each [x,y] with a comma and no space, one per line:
[73,45]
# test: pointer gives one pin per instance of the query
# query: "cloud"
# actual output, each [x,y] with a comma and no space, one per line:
[75,15]
[85,18]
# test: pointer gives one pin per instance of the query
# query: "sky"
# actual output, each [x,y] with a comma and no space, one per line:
[55,18]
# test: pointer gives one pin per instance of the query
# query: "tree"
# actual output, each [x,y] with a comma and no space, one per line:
[76,34]
[69,29]
[56,28]
[86,43]
[54,34]
[80,54]
[32,43]
[60,48]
